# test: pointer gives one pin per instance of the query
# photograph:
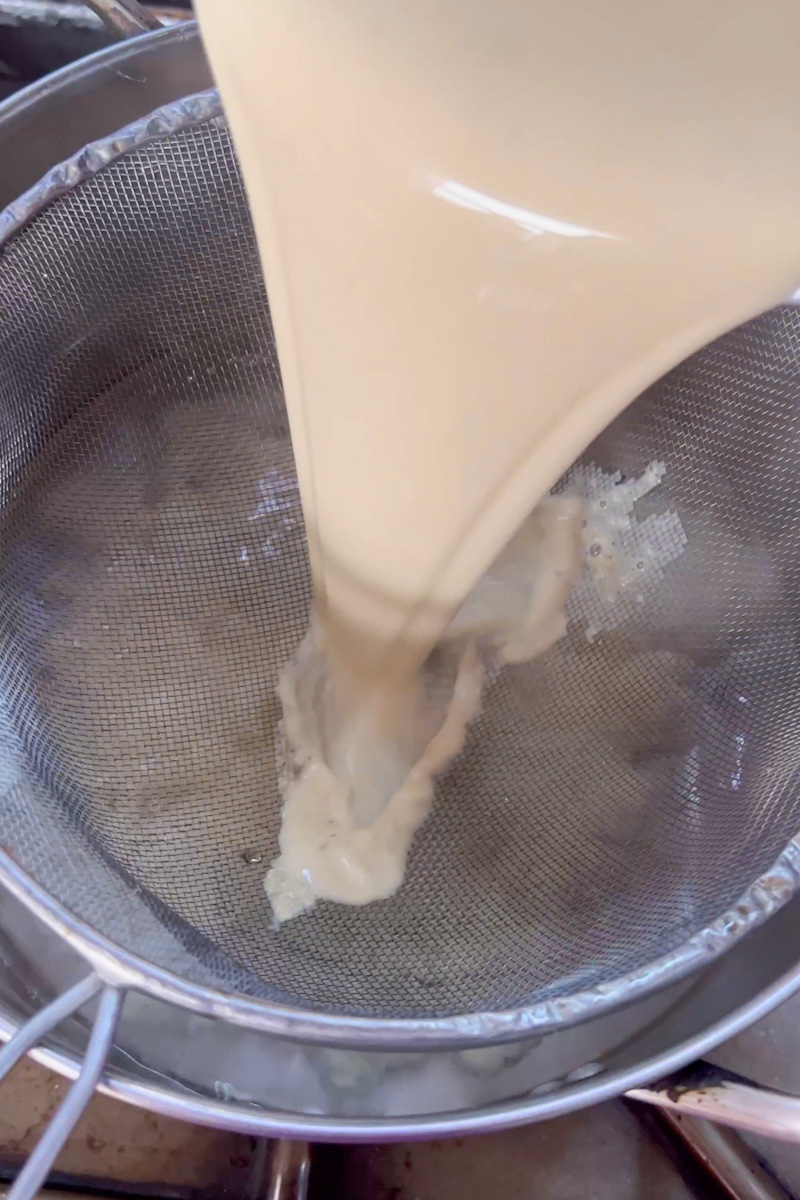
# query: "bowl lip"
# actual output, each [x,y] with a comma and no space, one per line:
[48,85]
[120,967]
[117,965]
[248,1117]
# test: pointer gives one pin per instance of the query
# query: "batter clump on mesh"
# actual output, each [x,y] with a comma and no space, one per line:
[356,791]
[327,852]
[358,781]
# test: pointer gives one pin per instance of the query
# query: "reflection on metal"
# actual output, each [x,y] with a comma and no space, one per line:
[288,1172]
[728,1159]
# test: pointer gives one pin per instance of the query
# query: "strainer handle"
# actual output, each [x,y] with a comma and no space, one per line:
[125,18]
[703,1090]
[30,1179]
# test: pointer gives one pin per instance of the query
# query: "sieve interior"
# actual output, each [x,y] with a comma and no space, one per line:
[615,797]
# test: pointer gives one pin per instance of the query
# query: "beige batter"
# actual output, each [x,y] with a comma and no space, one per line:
[354,799]
[485,228]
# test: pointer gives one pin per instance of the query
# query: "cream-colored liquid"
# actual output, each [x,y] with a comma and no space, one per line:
[361,760]
[485,228]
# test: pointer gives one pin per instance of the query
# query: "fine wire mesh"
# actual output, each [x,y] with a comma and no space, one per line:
[615,796]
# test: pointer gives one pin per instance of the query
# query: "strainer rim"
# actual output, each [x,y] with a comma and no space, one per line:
[124,968]
[769,892]
[186,113]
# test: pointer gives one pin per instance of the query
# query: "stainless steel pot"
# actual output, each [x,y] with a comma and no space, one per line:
[173,1050]
[197,1064]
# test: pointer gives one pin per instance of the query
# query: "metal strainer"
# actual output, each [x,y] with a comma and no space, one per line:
[624,806]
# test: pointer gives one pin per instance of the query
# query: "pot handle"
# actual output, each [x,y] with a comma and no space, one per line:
[125,18]
[287,1166]
[703,1090]
[36,1169]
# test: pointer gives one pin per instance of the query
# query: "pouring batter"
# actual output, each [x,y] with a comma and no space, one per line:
[484,230]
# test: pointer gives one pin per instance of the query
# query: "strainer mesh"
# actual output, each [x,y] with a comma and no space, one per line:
[615,797]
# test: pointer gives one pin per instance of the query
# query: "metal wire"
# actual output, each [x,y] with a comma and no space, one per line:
[37,1168]
[616,797]
[32,1032]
